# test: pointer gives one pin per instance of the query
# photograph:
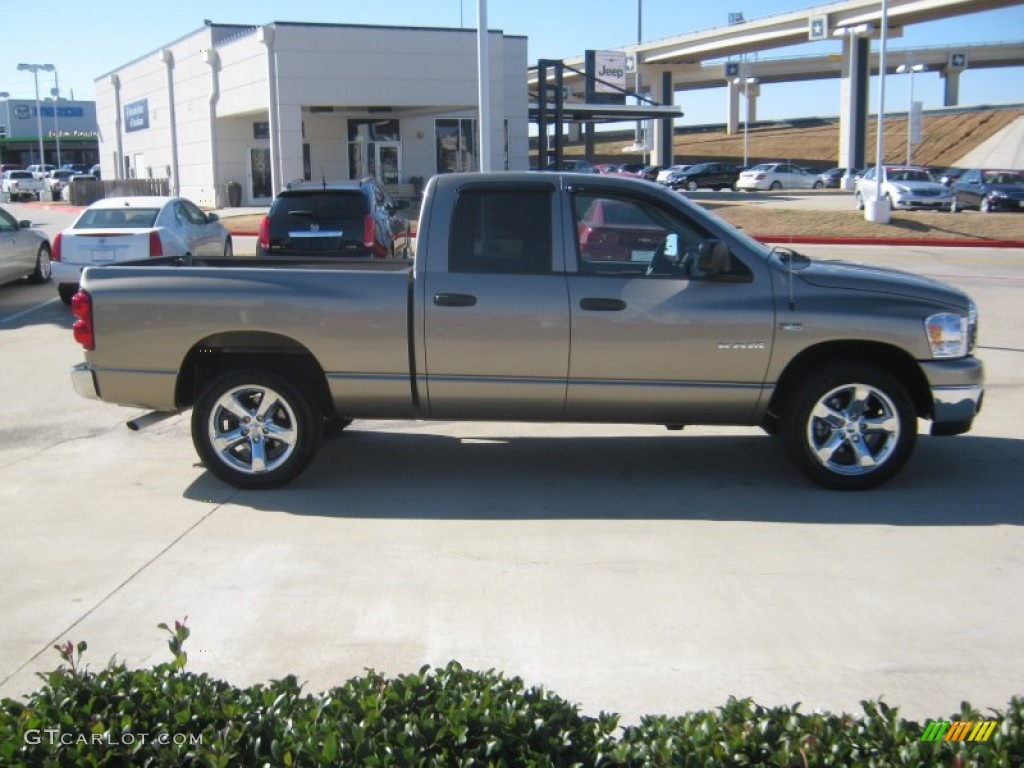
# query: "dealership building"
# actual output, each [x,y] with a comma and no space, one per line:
[67,129]
[262,106]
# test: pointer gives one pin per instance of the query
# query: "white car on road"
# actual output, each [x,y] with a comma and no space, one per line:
[905,187]
[131,228]
[777,176]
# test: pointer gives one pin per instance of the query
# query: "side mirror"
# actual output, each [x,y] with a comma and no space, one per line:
[713,257]
[24,224]
[212,217]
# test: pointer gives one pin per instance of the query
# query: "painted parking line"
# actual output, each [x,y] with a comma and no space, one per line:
[28,311]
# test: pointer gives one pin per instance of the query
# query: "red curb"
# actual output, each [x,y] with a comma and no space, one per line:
[798,240]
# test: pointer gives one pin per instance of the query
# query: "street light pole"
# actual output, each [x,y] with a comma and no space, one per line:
[34,69]
[910,68]
[744,84]
[56,108]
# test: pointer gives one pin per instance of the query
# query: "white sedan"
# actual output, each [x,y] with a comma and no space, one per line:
[119,229]
[776,176]
[906,188]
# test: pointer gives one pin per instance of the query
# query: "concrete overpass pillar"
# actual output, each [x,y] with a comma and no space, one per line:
[853,105]
[753,91]
[661,152]
[952,87]
[732,123]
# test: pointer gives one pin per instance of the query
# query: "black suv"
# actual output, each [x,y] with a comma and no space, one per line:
[353,218]
[714,175]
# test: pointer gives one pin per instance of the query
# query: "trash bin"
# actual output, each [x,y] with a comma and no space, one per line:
[234,194]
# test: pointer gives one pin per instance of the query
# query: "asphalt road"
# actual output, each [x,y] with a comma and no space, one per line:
[629,569]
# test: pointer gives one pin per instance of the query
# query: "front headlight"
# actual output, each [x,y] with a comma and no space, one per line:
[948,334]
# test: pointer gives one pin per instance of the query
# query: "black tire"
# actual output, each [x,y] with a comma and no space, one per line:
[850,426]
[858,201]
[229,248]
[985,206]
[67,291]
[818,185]
[43,271]
[692,185]
[775,185]
[232,425]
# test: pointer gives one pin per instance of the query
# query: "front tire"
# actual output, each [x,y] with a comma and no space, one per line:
[849,426]
[255,429]
[775,185]
[43,270]
[692,186]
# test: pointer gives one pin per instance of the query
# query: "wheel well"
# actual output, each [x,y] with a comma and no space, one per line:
[892,359]
[222,352]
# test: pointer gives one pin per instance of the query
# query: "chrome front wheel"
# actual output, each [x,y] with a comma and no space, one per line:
[852,427]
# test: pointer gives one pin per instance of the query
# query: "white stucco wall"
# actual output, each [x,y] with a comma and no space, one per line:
[406,74]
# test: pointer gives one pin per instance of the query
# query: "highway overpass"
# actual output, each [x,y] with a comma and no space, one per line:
[695,60]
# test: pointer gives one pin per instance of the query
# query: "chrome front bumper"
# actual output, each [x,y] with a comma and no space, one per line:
[957,389]
[84,381]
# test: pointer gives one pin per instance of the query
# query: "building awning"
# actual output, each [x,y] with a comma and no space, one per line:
[608,113]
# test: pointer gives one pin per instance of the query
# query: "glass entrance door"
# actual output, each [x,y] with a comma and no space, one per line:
[260,188]
[389,162]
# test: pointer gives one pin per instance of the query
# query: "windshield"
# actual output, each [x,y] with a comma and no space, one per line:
[763,167]
[117,218]
[1004,177]
[900,174]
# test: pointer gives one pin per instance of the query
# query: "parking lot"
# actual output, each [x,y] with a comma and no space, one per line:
[629,569]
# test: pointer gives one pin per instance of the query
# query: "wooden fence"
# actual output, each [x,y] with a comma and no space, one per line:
[88,192]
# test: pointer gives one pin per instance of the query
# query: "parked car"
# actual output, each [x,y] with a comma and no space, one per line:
[833,177]
[336,219]
[907,188]
[15,185]
[636,170]
[989,190]
[78,178]
[5,167]
[950,175]
[40,171]
[776,176]
[607,168]
[650,172]
[714,175]
[666,175]
[95,171]
[611,231]
[57,180]
[76,167]
[24,252]
[573,165]
[119,229]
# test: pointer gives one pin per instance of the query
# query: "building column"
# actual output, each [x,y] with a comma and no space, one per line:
[289,145]
[753,90]
[175,182]
[662,151]
[951,89]
[853,105]
[732,123]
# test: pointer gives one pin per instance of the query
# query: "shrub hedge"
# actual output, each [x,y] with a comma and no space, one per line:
[168,716]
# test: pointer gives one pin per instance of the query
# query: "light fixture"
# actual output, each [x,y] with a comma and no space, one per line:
[910,68]
[34,69]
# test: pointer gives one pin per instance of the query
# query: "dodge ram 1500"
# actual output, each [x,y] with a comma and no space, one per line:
[538,297]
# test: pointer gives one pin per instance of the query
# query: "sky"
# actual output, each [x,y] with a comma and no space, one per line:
[85,40]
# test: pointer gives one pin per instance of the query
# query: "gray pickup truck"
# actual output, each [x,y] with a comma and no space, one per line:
[538,297]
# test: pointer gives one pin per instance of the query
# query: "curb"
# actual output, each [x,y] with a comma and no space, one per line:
[935,243]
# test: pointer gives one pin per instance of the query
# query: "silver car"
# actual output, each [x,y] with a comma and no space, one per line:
[24,252]
[907,188]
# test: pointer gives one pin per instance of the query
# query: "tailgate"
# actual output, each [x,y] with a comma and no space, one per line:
[100,247]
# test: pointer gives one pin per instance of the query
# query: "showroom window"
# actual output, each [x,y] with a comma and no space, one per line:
[458,145]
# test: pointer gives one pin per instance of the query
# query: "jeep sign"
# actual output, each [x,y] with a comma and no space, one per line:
[609,72]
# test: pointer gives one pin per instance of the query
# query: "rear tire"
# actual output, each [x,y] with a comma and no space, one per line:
[43,270]
[255,429]
[850,426]
[775,185]
[67,291]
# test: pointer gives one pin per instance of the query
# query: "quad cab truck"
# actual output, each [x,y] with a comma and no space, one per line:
[542,297]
